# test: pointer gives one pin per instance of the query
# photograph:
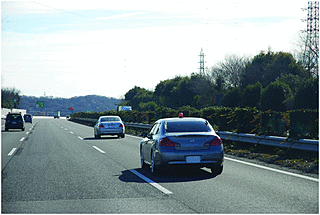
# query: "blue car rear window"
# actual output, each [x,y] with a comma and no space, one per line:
[188,126]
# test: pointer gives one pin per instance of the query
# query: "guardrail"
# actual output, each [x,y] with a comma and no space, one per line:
[302,144]
[5,111]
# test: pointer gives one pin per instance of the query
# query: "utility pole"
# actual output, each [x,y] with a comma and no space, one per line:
[201,62]
[311,52]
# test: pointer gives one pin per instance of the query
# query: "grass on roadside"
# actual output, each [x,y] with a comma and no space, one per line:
[301,160]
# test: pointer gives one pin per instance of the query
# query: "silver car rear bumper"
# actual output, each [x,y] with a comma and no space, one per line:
[174,158]
[111,131]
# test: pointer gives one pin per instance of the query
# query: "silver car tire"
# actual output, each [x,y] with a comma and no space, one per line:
[98,135]
[143,164]
[154,167]
[216,170]
[95,136]
[121,135]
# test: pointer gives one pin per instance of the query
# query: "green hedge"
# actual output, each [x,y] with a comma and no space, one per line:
[274,123]
[304,124]
[297,124]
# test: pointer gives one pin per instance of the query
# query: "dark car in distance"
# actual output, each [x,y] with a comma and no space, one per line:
[14,121]
[27,118]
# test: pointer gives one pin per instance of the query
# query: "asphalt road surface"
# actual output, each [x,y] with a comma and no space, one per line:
[56,166]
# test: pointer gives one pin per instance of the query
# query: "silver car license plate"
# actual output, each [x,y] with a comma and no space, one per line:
[193,159]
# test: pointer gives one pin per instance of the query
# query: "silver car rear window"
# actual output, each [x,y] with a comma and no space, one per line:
[110,119]
[188,126]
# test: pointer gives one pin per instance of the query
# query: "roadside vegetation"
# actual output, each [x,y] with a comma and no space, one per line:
[10,98]
[268,81]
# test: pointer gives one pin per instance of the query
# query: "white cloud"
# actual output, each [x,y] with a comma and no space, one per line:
[110,62]
[121,16]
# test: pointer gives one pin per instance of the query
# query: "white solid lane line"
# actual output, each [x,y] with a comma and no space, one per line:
[149,181]
[274,170]
[12,151]
[98,149]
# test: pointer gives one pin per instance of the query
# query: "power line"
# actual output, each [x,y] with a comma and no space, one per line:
[121,14]
[76,14]
[113,12]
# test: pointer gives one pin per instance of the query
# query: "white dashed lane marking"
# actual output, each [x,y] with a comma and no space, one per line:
[99,149]
[12,151]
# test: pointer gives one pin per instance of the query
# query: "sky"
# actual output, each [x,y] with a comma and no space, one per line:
[77,48]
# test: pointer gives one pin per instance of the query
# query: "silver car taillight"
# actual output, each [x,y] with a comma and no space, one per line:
[215,142]
[167,142]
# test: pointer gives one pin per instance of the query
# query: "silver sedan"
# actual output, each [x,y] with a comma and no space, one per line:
[182,141]
[109,125]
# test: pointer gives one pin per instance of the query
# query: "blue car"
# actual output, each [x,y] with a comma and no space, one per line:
[182,141]
[27,118]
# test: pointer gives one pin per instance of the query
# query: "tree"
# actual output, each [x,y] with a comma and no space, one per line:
[10,98]
[220,85]
[273,97]
[307,95]
[292,80]
[203,89]
[231,69]
[149,106]
[307,55]
[268,67]
[251,95]
[138,95]
[132,92]
[232,98]
[174,93]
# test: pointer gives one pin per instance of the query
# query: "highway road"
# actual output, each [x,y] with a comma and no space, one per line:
[56,166]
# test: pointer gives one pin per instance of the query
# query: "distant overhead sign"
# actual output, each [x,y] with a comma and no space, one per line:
[40,104]
[125,108]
